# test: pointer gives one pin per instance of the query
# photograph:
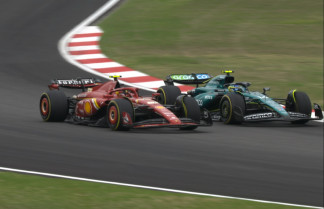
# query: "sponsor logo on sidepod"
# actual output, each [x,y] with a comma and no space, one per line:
[259,116]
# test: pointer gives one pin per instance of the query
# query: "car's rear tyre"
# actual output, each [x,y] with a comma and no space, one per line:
[168,94]
[120,114]
[189,108]
[298,101]
[53,106]
[232,108]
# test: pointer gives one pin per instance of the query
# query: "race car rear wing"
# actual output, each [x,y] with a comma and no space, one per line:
[78,83]
[193,78]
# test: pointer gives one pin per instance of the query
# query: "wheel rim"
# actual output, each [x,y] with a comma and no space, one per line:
[126,118]
[44,106]
[225,109]
[159,99]
[113,115]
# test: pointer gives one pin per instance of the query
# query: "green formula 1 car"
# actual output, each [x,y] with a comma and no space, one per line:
[233,103]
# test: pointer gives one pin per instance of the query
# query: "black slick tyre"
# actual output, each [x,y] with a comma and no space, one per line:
[189,109]
[298,101]
[120,114]
[232,108]
[168,94]
[53,106]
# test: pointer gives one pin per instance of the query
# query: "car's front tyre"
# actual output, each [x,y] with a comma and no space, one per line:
[298,101]
[120,114]
[189,108]
[232,108]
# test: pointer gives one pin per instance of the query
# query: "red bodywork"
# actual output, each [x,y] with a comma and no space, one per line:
[99,95]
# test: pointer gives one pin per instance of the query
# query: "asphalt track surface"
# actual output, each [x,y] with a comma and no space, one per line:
[269,161]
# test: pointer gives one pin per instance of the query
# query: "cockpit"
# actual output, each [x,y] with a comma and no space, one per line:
[220,81]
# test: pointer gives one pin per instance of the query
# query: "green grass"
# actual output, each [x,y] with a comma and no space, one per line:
[18,191]
[277,43]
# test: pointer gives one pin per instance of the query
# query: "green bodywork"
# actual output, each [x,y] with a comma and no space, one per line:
[209,96]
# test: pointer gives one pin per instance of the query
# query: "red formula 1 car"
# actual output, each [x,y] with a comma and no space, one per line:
[109,105]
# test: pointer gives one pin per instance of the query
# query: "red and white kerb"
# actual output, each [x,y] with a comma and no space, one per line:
[84,48]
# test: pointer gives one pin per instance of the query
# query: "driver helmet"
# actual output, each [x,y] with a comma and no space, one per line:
[236,88]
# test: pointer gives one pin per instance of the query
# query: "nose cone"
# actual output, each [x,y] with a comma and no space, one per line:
[167,114]
[175,121]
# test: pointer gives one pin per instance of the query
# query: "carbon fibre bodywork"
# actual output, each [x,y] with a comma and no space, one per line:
[256,106]
[109,104]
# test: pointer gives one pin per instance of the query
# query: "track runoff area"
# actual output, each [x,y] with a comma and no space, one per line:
[148,187]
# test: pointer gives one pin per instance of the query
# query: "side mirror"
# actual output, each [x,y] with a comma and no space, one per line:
[265,89]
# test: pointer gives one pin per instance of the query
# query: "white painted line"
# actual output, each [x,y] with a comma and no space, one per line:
[152,84]
[127,74]
[177,84]
[88,56]
[149,187]
[103,65]
[86,39]
[93,29]
[82,48]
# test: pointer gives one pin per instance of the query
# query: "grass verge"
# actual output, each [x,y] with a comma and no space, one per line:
[277,43]
[36,192]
